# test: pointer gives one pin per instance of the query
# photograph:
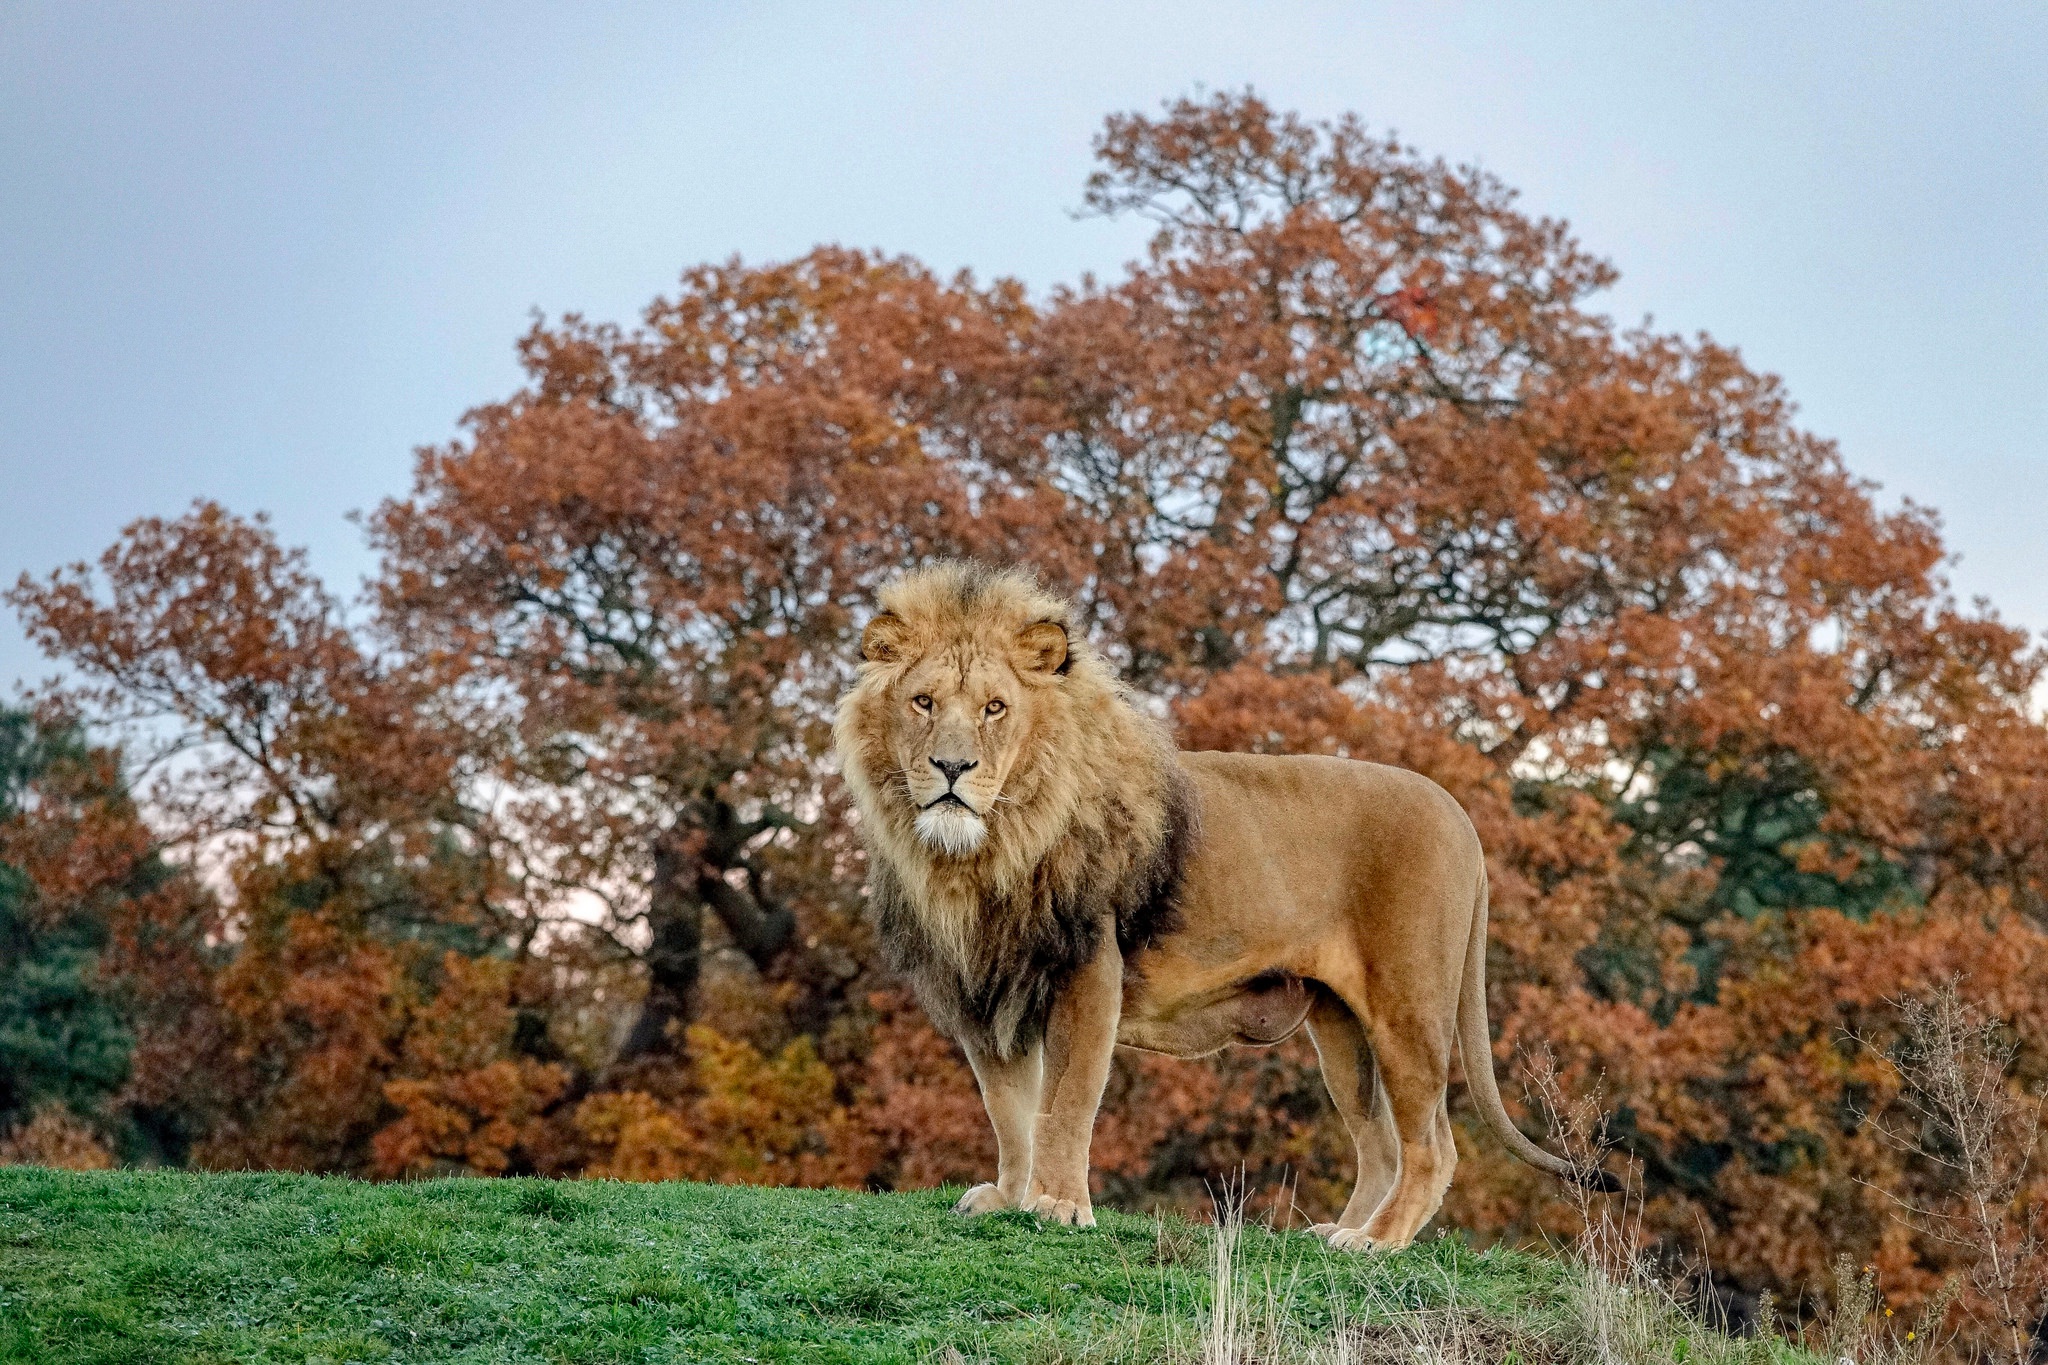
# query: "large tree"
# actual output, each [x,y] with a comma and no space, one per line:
[332,797]
[651,558]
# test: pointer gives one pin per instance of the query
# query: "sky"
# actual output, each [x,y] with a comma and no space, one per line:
[259,252]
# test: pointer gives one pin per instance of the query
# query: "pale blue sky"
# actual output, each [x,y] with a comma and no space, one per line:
[257,252]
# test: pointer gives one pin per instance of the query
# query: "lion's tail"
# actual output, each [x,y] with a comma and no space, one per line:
[1475,1043]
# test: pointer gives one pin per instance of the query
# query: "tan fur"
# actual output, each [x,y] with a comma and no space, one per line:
[1119,892]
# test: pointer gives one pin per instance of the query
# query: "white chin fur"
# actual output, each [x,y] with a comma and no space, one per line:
[951,829]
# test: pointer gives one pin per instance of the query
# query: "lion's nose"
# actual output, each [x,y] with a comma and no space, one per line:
[953,767]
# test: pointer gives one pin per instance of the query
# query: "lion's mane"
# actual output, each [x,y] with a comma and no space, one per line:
[1094,831]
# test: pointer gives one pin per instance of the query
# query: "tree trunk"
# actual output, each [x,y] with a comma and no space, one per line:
[760,927]
[760,930]
[674,957]
[690,876]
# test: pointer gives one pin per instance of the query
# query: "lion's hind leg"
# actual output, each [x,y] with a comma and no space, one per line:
[1353,1083]
[1412,1047]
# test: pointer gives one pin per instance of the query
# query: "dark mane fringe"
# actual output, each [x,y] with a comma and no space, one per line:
[1152,907]
[1029,947]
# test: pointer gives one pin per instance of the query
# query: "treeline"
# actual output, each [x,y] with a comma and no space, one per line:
[533,861]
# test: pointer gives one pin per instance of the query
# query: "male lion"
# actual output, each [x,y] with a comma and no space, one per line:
[1055,879]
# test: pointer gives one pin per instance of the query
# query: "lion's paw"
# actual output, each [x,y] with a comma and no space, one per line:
[1066,1212]
[1325,1230]
[981,1199]
[1352,1239]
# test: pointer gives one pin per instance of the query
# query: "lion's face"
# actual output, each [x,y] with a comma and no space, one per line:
[985,745]
[956,717]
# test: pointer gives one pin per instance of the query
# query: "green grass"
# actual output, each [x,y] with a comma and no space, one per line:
[171,1267]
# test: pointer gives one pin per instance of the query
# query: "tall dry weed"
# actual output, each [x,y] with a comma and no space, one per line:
[1859,1332]
[1972,1121]
[1620,1312]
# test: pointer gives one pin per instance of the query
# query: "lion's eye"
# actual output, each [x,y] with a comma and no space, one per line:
[921,702]
[994,709]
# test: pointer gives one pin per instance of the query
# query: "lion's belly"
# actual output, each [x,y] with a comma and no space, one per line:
[1258,1012]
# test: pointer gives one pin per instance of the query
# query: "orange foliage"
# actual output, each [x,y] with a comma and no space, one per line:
[474,1120]
[920,1102]
[745,1119]
[56,1138]
[633,1136]
[464,1103]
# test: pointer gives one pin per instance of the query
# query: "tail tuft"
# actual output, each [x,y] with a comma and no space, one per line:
[1597,1180]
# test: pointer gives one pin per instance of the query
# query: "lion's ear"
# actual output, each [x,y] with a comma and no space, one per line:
[885,639]
[1044,646]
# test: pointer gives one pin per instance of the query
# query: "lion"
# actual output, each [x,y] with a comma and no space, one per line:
[1056,879]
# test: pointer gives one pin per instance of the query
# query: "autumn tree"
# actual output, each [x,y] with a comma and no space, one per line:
[652,557]
[326,790]
[536,861]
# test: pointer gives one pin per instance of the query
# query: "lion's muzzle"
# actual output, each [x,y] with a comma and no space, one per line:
[951,827]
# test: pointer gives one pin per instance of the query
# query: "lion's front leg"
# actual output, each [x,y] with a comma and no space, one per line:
[1009,1091]
[1080,1040]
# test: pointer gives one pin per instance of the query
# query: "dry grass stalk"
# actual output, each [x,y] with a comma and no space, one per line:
[1623,1300]
[1625,1314]
[1223,1329]
[1858,1333]
[1973,1122]
[1629,1313]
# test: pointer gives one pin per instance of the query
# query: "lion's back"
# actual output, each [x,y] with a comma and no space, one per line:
[1316,806]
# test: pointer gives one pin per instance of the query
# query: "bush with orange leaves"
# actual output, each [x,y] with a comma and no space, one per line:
[745,1118]
[55,1137]
[465,1102]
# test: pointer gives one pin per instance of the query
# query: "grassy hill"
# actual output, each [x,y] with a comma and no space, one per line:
[164,1267]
